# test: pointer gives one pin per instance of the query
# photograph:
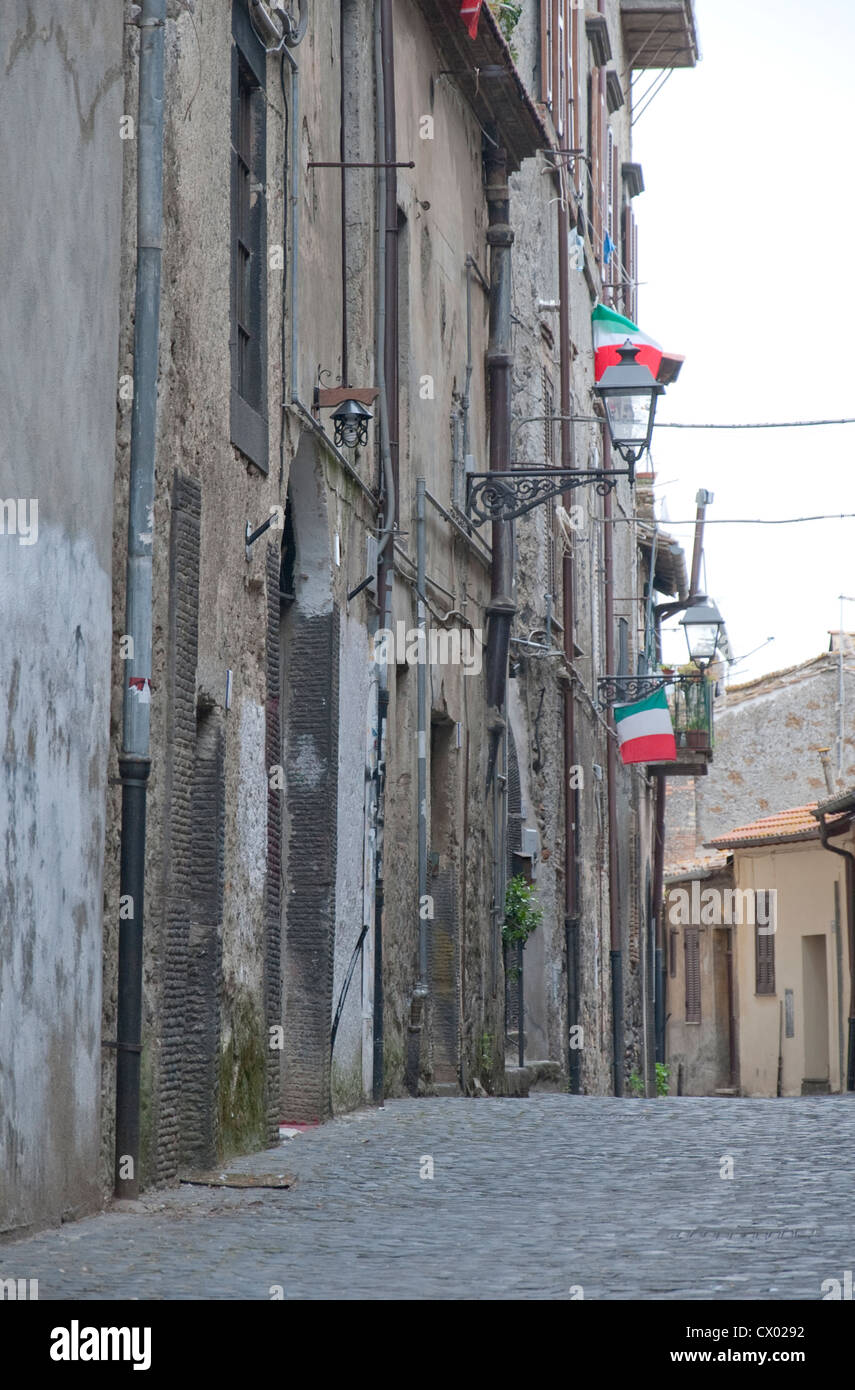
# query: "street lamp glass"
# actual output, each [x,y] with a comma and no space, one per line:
[629,418]
[702,640]
[703,626]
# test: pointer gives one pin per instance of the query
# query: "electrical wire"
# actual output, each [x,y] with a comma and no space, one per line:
[770,425]
[746,520]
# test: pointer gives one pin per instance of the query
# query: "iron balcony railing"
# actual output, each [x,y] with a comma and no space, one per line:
[690,700]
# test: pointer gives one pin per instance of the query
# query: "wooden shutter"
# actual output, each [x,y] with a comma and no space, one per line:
[692,948]
[764,946]
[546,51]
[609,271]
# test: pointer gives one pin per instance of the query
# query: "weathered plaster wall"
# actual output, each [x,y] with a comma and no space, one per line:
[60,103]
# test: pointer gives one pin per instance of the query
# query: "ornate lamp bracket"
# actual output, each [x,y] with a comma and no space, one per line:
[505,496]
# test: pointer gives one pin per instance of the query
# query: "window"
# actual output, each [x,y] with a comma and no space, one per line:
[764,943]
[248,319]
[556,64]
[692,948]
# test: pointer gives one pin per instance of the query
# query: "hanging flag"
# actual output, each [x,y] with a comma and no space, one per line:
[645,732]
[611,331]
[470,13]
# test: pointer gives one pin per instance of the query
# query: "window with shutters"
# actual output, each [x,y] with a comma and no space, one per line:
[764,945]
[248,317]
[556,65]
[546,52]
[692,948]
[609,276]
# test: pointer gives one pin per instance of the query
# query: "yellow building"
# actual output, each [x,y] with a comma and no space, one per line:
[791,910]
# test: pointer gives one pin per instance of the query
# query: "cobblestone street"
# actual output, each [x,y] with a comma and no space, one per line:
[532,1199]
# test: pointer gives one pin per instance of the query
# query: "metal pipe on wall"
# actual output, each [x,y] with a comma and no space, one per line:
[659,920]
[571,794]
[615,945]
[134,759]
[500,238]
[850,920]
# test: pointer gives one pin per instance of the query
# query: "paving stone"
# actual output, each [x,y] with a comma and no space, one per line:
[529,1197]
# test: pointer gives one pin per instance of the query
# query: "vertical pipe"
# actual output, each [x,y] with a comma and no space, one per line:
[390,146]
[135,760]
[500,363]
[421,672]
[616,955]
[571,794]
[850,923]
[342,154]
[294,306]
[659,917]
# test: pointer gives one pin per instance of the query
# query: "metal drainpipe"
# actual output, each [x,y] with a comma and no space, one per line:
[616,954]
[500,363]
[571,794]
[134,760]
[660,966]
[850,919]
[385,554]
[421,673]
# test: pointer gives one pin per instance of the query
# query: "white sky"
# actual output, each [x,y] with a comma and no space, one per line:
[745,233]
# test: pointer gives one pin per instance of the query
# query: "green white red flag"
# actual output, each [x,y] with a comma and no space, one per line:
[470,13]
[645,732]
[611,331]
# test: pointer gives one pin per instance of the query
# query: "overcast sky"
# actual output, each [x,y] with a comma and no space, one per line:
[746,269]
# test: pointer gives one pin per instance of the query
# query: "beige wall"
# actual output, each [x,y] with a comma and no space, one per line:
[804,876]
[698,1054]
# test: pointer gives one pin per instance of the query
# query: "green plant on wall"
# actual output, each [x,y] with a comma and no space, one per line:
[662,1076]
[636,1085]
[508,17]
[522,914]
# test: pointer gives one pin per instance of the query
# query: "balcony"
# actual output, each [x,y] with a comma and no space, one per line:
[659,34]
[690,700]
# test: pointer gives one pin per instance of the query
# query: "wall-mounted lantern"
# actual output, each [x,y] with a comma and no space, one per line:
[351,424]
[629,391]
[703,626]
[349,405]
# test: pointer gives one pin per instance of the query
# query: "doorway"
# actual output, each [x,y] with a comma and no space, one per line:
[815,1014]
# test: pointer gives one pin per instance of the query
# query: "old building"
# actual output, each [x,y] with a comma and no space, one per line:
[792,949]
[349,254]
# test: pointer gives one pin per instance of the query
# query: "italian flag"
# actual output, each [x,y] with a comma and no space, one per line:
[611,331]
[645,732]
[470,13]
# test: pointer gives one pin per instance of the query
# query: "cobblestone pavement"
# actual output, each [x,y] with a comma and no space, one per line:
[529,1199]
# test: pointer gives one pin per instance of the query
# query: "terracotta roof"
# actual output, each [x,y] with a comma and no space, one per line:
[799,823]
[700,866]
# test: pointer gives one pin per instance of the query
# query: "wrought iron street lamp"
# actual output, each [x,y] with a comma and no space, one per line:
[629,391]
[703,626]
[351,424]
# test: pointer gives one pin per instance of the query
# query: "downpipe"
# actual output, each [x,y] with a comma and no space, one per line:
[135,759]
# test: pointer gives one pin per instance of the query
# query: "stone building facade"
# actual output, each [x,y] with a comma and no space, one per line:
[373,206]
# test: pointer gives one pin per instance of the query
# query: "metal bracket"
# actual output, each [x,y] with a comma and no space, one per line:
[504,496]
[250,537]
